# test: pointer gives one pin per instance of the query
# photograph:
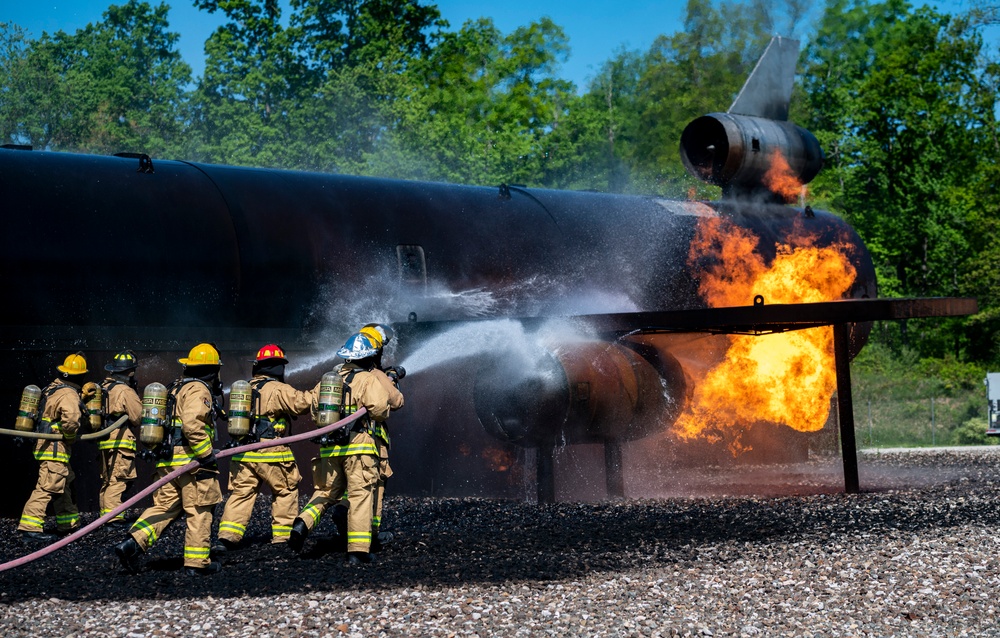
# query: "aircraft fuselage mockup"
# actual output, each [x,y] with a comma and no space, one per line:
[489,288]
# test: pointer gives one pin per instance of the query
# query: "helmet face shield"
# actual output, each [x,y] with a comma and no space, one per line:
[358,346]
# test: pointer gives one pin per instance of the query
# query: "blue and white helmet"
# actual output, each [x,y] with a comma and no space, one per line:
[358,346]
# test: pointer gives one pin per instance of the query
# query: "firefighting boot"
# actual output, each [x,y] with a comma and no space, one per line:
[380,540]
[224,546]
[38,537]
[297,537]
[207,570]
[358,558]
[129,555]
[116,525]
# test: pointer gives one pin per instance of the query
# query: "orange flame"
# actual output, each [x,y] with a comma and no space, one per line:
[783,378]
[780,179]
[498,460]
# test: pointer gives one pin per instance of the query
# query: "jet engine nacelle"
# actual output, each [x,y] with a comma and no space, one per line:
[737,151]
[580,392]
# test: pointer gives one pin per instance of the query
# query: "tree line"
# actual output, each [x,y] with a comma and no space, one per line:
[903,100]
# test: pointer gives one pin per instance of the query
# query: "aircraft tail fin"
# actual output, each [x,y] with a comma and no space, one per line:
[768,90]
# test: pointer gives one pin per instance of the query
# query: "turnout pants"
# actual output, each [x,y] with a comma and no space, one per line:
[384,472]
[117,473]
[195,494]
[378,494]
[54,484]
[245,479]
[357,473]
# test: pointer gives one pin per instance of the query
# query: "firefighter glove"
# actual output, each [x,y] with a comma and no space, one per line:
[209,462]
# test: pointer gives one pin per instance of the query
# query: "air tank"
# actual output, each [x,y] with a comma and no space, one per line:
[27,411]
[95,412]
[240,398]
[331,396]
[154,412]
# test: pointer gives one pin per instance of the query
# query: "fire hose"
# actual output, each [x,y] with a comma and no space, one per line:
[193,465]
[59,437]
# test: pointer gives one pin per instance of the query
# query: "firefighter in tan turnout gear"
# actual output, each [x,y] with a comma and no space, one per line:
[118,450]
[380,336]
[389,378]
[190,431]
[350,461]
[274,404]
[60,410]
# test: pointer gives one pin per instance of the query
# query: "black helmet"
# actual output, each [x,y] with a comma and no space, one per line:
[123,362]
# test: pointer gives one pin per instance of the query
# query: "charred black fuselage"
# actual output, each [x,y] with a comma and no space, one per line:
[100,256]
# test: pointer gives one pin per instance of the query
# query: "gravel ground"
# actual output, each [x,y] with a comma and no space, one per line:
[915,554]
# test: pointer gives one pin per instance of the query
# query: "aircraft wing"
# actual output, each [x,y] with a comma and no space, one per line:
[762,318]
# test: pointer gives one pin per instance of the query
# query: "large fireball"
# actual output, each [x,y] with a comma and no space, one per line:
[785,378]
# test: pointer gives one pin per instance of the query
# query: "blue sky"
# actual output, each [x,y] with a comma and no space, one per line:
[596,28]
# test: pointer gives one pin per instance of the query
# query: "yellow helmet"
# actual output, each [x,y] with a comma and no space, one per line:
[380,334]
[373,335]
[74,364]
[203,354]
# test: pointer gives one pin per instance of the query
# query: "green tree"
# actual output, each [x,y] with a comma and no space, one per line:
[484,104]
[980,276]
[17,88]
[115,85]
[240,105]
[895,97]
[319,94]
[361,57]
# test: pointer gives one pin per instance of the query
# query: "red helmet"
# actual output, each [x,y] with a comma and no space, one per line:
[270,351]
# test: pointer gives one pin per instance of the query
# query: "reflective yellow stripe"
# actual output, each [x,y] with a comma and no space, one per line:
[313,512]
[379,430]
[123,444]
[31,521]
[67,520]
[349,450]
[265,456]
[177,460]
[232,527]
[48,454]
[281,531]
[359,537]
[196,552]
[147,529]
[202,447]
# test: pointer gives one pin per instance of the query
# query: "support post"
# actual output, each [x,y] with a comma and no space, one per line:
[613,475]
[845,406]
[545,473]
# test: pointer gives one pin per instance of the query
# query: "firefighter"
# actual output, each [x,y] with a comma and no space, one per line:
[274,405]
[389,378]
[351,460]
[60,409]
[191,414]
[118,450]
